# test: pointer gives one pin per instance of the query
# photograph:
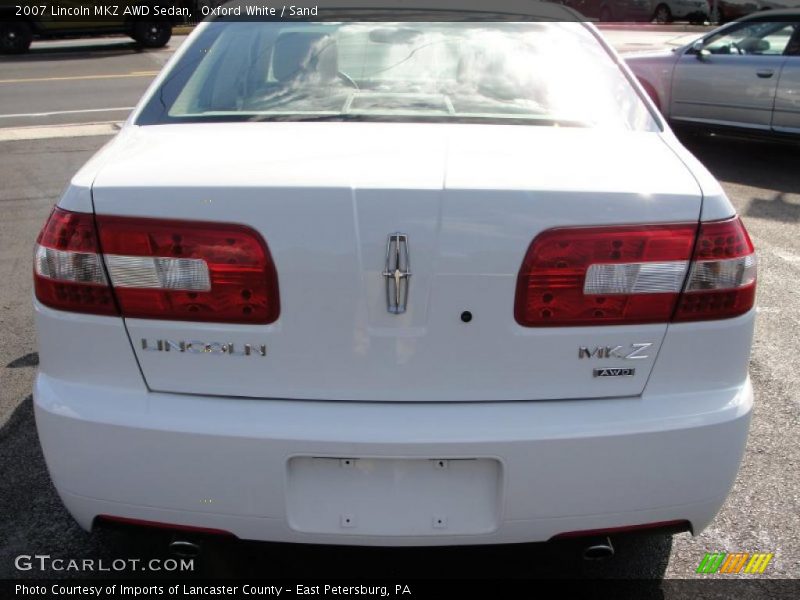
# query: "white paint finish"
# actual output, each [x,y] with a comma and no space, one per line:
[394,156]
[704,355]
[79,188]
[77,196]
[566,465]
[85,509]
[716,205]
[325,196]
[491,358]
[74,347]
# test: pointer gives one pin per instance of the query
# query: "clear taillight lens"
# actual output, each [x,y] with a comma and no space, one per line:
[67,268]
[722,280]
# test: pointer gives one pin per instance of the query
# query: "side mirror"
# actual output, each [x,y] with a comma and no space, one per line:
[699,50]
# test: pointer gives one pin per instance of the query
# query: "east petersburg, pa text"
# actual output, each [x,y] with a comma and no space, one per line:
[189,590]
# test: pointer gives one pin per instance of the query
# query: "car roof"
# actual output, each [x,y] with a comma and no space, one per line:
[523,9]
[764,15]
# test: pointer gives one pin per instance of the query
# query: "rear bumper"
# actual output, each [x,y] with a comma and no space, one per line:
[223,463]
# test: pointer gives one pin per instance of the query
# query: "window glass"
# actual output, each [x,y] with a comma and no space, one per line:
[533,73]
[759,38]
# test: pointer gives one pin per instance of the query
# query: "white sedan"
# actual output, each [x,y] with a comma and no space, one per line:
[395,283]
[743,76]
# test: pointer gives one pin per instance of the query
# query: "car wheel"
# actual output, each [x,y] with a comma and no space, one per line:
[152,34]
[663,14]
[15,37]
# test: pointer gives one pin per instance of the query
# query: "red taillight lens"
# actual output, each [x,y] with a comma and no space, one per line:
[603,275]
[677,526]
[160,525]
[159,269]
[635,274]
[193,271]
[68,271]
[722,279]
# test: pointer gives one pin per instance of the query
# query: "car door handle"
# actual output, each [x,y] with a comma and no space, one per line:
[765,74]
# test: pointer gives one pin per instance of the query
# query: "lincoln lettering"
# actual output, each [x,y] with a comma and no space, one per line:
[200,347]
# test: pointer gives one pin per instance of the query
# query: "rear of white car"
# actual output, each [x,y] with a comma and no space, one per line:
[451,329]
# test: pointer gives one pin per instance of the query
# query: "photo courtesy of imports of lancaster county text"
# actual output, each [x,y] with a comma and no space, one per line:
[400,299]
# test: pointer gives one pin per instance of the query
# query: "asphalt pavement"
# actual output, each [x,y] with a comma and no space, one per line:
[762,513]
[77,81]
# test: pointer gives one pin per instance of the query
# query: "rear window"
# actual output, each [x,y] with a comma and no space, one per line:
[555,74]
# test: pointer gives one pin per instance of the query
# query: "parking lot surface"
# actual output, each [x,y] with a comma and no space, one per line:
[762,513]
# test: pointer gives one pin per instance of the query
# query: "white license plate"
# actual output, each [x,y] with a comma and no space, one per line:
[402,497]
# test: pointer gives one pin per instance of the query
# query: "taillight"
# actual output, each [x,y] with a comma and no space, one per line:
[603,275]
[722,279]
[67,269]
[193,271]
[110,519]
[178,270]
[635,274]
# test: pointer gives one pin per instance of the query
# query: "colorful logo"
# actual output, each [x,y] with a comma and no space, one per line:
[737,562]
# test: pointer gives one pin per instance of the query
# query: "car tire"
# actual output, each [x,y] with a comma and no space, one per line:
[152,34]
[15,37]
[662,14]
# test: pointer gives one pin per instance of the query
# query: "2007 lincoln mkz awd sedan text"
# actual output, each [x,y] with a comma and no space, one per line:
[395,283]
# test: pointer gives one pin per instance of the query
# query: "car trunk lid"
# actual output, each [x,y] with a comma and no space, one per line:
[327,197]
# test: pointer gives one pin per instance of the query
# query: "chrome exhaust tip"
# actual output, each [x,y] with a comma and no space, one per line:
[184,549]
[598,549]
